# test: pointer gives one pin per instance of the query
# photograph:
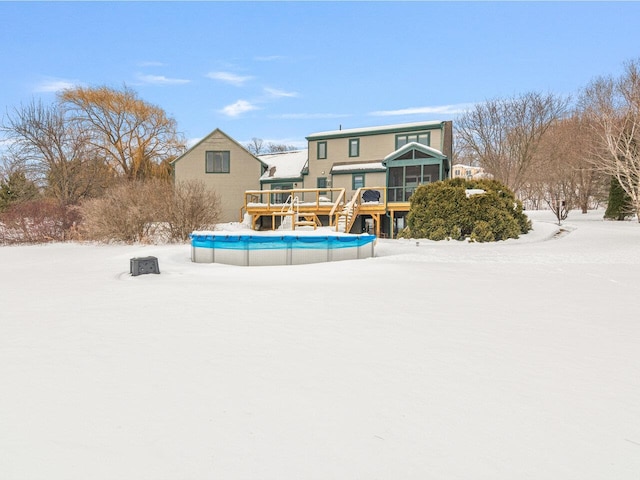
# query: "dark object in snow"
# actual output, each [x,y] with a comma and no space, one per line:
[142,265]
[371,196]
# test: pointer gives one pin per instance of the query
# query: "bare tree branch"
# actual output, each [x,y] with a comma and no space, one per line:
[503,134]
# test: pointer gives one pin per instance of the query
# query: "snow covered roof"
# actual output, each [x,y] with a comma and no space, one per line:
[357,166]
[375,130]
[284,165]
[410,146]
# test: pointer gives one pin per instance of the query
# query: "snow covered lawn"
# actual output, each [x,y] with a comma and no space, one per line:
[449,360]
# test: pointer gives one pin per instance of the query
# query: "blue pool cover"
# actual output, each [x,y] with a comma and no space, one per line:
[276,242]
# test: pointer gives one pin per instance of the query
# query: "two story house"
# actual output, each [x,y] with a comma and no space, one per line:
[354,166]
[396,157]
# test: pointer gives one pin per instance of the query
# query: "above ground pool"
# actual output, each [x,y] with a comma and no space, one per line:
[270,249]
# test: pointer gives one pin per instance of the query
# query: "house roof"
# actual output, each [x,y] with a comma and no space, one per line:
[348,167]
[284,165]
[399,127]
[462,165]
[217,130]
[414,146]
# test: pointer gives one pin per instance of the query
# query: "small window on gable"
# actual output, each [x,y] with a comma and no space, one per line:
[217,161]
[354,147]
[322,150]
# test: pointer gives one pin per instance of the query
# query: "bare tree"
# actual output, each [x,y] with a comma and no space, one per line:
[255,146]
[279,147]
[503,134]
[133,136]
[555,175]
[192,207]
[55,152]
[564,174]
[613,108]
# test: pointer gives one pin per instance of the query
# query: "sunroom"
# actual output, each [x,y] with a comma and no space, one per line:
[412,165]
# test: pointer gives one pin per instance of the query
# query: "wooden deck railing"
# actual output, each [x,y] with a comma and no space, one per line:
[314,202]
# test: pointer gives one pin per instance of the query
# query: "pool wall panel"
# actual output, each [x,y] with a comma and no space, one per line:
[258,250]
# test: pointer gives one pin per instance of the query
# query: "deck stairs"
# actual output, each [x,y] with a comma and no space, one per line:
[292,217]
[348,214]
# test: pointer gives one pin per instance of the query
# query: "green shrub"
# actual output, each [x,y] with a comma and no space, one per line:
[442,210]
[482,232]
[437,230]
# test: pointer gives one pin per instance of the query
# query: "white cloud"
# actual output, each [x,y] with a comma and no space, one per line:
[161,80]
[54,85]
[441,110]
[274,92]
[238,108]
[228,77]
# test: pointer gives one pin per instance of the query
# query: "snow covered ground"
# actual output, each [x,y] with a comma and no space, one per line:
[448,360]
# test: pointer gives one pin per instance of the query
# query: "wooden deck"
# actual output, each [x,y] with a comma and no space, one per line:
[305,206]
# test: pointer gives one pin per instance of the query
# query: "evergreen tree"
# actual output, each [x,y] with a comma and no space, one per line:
[16,187]
[619,205]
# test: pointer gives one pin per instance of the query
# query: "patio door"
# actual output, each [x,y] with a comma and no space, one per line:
[279,198]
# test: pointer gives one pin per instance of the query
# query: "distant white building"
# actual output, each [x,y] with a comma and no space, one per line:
[467,171]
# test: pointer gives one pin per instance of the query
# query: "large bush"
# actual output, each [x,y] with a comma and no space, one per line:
[37,221]
[443,209]
[150,211]
[192,206]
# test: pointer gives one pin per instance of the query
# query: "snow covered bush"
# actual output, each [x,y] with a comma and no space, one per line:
[482,210]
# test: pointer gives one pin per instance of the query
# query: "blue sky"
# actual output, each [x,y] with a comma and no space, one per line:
[283,70]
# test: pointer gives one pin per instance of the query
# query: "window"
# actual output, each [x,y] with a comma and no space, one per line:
[357,181]
[217,161]
[404,180]
[322,150]
[280,198]
[422,138]
[322,183]
[354,147]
